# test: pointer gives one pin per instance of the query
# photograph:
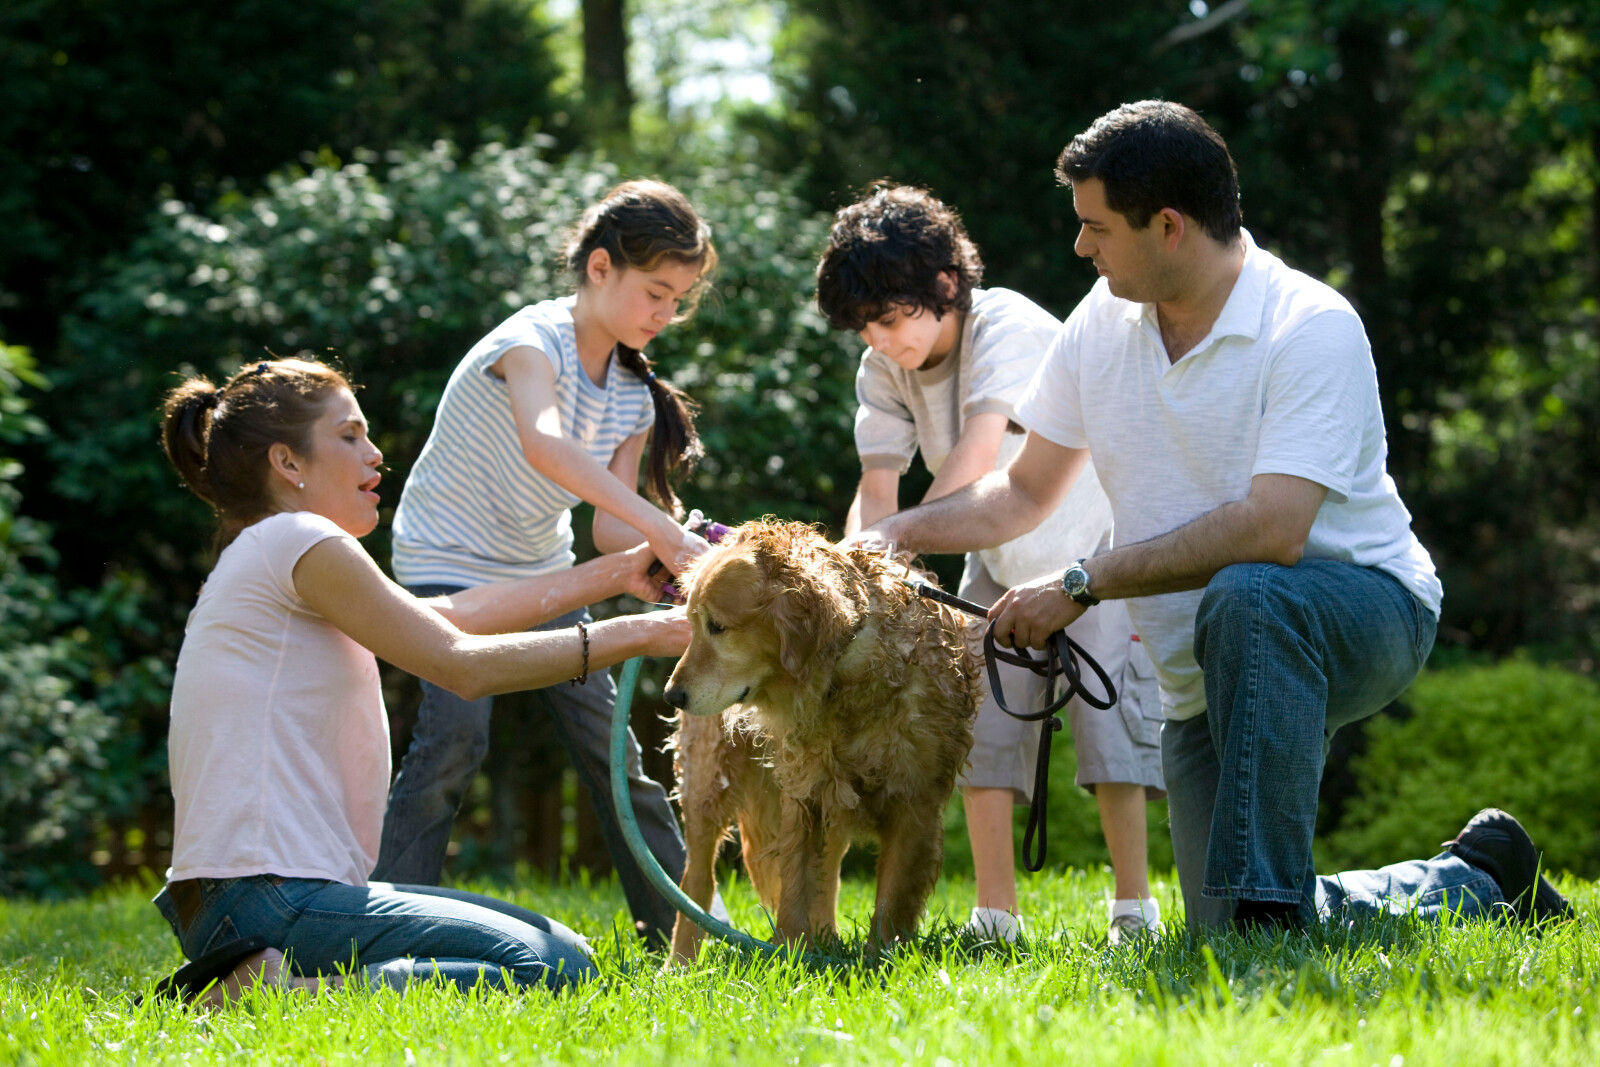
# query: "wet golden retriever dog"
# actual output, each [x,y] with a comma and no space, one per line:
[825,702]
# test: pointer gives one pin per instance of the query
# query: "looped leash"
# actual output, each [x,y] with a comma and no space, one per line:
[1062,656]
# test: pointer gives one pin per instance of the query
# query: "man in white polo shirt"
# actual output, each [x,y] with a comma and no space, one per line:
[1231,407]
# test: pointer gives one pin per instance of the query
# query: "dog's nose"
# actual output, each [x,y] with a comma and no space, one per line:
[676,696]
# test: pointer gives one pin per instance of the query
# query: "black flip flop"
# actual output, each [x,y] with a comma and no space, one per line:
[217,964]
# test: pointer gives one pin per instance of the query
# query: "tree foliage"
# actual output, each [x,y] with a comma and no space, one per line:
[103,104]
[607,95]
[975,101]
[65,760]
[1458,167]
[1436,162]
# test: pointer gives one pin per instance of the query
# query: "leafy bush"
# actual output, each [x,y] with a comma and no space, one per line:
[52,742]
[399,276]
[397,265]
[1514,735]
[50,751]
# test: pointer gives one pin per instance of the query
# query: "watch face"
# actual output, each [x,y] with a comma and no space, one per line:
[1075,580]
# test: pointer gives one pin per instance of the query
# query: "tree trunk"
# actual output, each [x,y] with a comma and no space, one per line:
[1594,216]
[1361,129]
[605,65]
[1364,144]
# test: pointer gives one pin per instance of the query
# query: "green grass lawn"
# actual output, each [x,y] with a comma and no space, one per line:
[1389,993]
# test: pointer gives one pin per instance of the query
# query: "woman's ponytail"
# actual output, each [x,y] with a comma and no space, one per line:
[217,437]
[185,431]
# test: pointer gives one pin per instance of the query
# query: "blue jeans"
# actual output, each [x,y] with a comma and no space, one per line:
[1425,888]
[449,743]
[395,934]
[1290,654]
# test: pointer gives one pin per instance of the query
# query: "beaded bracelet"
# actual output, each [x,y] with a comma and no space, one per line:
[583,675]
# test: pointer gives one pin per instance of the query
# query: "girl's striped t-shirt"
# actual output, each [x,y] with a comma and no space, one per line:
[474,510]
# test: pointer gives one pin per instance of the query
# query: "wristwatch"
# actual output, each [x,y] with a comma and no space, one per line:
[1075,583]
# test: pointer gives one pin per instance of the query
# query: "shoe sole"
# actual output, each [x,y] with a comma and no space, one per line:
[193,978]
[1546,902]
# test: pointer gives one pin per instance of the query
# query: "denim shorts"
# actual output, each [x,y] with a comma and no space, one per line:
[1121,743]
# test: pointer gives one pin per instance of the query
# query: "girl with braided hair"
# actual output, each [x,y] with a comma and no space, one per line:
[555,407]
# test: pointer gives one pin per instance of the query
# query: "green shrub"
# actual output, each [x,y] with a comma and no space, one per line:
[1514,735]
[397,265]
[50,754]
[399,274]
[53,790]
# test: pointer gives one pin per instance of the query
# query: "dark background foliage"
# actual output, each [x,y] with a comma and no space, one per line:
[186,186]
[1437,163]
[103,105]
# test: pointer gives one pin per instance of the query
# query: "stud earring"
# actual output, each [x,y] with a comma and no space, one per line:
[302,485]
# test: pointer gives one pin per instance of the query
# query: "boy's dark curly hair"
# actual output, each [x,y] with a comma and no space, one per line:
[886,253]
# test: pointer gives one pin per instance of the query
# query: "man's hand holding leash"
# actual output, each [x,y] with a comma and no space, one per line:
[1026,616]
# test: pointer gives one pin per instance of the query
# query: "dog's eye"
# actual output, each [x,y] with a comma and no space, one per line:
[714,627]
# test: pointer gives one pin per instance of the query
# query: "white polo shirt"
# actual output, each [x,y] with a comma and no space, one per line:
[1283,384]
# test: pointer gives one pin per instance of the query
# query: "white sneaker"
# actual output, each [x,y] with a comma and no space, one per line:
[1131,926]
[993,924]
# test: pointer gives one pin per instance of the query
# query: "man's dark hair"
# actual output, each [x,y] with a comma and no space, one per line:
[886,253]
[1152,155]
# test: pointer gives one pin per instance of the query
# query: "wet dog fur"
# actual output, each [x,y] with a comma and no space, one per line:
[824,702]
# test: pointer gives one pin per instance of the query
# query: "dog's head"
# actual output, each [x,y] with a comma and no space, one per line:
[769,608]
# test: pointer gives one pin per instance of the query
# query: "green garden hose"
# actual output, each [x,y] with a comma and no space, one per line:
[623,802]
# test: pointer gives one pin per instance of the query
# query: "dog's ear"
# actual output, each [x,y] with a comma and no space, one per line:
[809,612]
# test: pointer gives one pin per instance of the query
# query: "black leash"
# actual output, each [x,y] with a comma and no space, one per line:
[1062,656]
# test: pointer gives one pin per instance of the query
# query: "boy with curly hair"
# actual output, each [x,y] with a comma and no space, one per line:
[945,366]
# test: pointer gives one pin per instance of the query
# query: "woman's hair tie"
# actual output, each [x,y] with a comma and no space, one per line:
[649,375]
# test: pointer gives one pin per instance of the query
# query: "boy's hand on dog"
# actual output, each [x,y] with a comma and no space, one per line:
[1026,616]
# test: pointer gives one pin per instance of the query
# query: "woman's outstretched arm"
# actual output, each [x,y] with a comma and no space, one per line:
[522,603]
[340,582]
